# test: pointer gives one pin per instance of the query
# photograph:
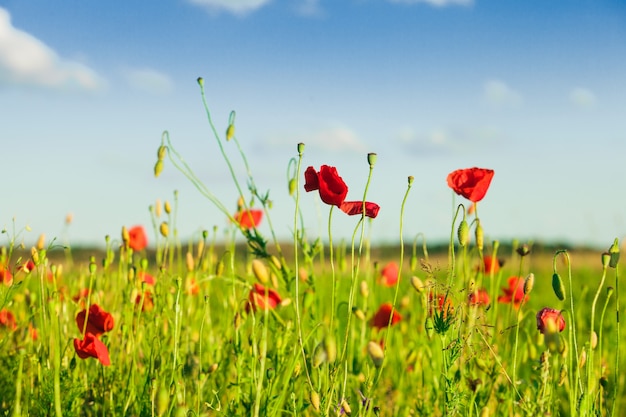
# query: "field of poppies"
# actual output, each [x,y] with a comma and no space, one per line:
[308,327]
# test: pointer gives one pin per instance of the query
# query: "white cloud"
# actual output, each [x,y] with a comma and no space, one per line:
[309,8]
[583,98]
[438,3]
[239,7]
[149,80]
[335,139]
[26,60]
[446,140]
[499,94]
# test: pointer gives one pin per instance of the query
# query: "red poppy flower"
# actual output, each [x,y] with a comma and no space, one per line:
[27,267]
[92,347]
[492,264]
[5,275]
[98,320]
[7,319]
[137,238]
[546,315]
[514,293]
[192,287]
[331,187]
[389,274]
[146,277]
[381,318]
[353,208]
[148,301]
[479,297]
[262,297]
[471,183]
[249,219]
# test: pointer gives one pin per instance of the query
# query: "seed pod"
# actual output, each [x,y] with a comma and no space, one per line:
[300,148]
[376,353]
[606,259]
[371,159]
[463,233]
[558,286]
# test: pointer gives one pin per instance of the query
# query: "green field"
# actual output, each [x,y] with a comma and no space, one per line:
[252,326]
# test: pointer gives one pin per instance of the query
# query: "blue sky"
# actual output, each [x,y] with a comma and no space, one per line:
[534,90]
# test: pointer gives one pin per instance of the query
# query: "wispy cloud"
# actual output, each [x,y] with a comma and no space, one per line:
[309,8]
[438,3]
[238,7]
[148,80]
[26,60]
[335,138]
[499,94]
[583,98]
[446,140]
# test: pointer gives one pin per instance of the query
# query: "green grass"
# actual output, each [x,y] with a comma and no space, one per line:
[199,343]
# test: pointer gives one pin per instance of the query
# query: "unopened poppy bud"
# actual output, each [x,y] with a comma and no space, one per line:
[158,168]
[429,325]
[260,271]
[594,339]
[358,313]
[583,358]
[371,158]
[292,186]
[34,254]
[529,282]
[376,353]
[614,252]
[240,203]
[417,284]
[161,152]
[157,208]
[164,229]
[167,207]
[410,179]
[480,237]
[365,291]
[463,233]
[92,267]
[200,81]
[558,286]
[319,355]
[330,346]
[41,241]
[315,400]
[190,262]
[606,259]
[230,132]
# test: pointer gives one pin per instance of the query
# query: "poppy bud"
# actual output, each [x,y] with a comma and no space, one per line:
[213,368]
[371,159]
[164,229]
[594,339]
[614,252]
[523,249]
[480,237]
[161,152]
[376,353]
[158,168]
[300,148]
[411,179]
[200,81]
[558,286]
[230,132]
[429,325]
[315,400]
[528,283]
[417,283]
[157,208]
[190,262]
[606,259]
[34,254]
[41,241]
[167,207]
[463,233]
[292,186]
[260,271]
[358,313]
[364,289]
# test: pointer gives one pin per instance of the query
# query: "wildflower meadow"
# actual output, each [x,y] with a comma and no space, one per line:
[254,326]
